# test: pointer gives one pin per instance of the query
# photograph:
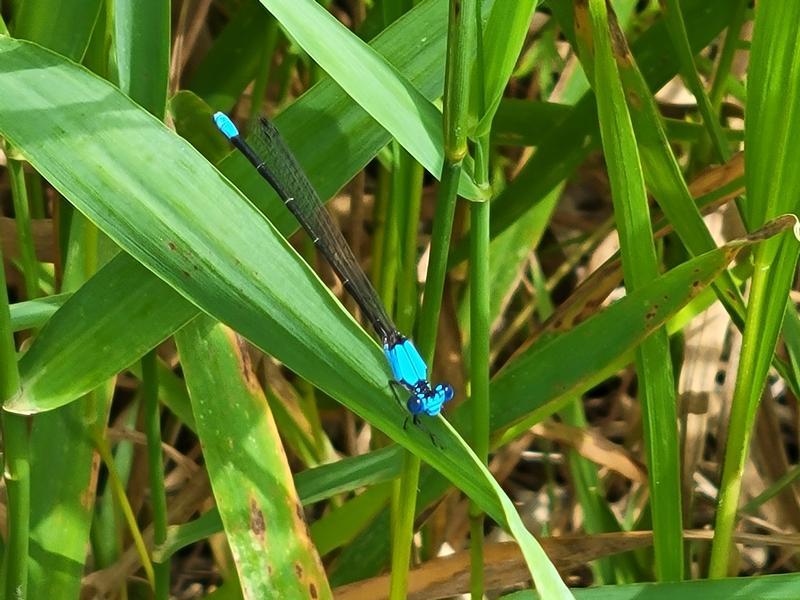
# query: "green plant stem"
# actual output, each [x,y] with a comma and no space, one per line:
[403,529]
[391,234]
[380,213]
[480,323]
[774,268]
[158,496]
[16,440]
[407,181]
[480,305]
[407,292]
[455,103]
[22,217]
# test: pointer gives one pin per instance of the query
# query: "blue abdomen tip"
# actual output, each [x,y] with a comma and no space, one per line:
[225,125]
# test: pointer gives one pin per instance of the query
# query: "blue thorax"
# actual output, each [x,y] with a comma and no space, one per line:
[411,372]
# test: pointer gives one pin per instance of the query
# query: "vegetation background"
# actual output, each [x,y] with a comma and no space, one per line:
[191,412]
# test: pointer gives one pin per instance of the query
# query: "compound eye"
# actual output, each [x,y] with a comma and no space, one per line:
[447,390]
[414,405]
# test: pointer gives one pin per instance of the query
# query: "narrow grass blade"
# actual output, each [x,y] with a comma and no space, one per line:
[653,363]
[370,80]
[63,26]
[247,466]
[142,43]
[772,587]
[503,37]
[772,125]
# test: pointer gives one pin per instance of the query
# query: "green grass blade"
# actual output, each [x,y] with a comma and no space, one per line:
[370,80]
[640,266]
[132,312]
[32,314]
[772,125]
[767,587]
[673,18]
[142,43]
[247,467]
[63,26]
[503,37]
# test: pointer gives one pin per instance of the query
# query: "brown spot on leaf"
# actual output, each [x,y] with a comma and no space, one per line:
[312,591]
[634,100]
[257,524]
[618,41]
[172,246]
[298,569]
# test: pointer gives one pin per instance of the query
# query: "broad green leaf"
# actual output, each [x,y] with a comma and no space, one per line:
[193,229]
[313,151]
[249,473]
